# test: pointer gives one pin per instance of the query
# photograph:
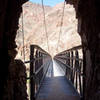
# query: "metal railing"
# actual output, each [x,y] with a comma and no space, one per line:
[74,66]
[39,63]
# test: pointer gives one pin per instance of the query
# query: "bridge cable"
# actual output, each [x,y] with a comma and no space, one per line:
[45,26]
[61,25]
[23,35]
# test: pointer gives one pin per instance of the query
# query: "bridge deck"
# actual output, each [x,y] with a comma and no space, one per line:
[56,86]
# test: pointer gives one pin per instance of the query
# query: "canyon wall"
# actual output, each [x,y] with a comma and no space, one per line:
[34,32]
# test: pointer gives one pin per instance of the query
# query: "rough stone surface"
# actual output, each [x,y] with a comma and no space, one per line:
[9,15]
[16,82]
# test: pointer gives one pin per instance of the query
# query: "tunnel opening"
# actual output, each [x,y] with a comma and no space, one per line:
[31,27]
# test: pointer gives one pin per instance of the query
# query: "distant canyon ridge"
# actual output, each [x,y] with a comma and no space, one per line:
[34,32]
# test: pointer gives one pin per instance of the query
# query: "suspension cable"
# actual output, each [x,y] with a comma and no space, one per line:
[45,26]
[23,36]
[61,26]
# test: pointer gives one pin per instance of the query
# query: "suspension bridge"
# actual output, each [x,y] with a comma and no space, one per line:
[57,78]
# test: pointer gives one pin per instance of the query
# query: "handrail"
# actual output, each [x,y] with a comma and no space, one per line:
[71,49]
[74,66]
[39,63]
[34,59]
[73,58]
[39,48]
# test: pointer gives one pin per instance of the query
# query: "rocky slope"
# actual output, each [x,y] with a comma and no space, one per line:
[35,33]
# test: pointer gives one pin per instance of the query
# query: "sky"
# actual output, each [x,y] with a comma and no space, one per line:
[48,2]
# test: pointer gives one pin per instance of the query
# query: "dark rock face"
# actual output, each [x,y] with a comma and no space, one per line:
[89,29]
[9,15]
[16,82]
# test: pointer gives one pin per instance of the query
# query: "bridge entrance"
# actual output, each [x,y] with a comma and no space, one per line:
[57,78]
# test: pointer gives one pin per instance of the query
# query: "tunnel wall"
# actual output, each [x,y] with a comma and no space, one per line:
[9,15]
[88,15]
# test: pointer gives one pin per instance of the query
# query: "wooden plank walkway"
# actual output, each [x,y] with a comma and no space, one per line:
[56,86]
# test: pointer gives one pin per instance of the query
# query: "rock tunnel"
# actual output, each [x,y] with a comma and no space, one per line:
[87,12]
